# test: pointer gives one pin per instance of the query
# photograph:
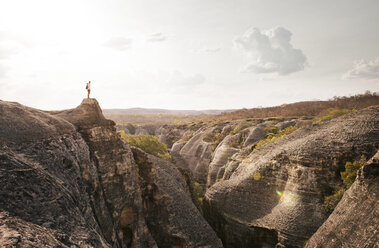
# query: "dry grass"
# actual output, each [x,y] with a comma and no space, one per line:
[302,110]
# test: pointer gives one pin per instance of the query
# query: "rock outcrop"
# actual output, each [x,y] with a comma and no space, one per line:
[198,154]
[42,190]
[274,195]
[355,220]
[67,180]
[171,216]
[227,147]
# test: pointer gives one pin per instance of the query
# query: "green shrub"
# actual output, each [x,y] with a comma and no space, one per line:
[305,117]
[199,192]
[348,176]
[271,129]
[235,130]
[215,138]
[186,138]
[330,202]
[274,136]
[149,144]
[333,113]
[122,134]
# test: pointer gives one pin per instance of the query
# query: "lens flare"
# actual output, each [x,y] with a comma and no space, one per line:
[289,200]
[279,193]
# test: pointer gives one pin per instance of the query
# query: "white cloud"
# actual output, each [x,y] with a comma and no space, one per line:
[178,79]
[10,44]
[3,71]
[212,49]
[7,51]
[363,69]
[271,51]
[156,37]
[119,43]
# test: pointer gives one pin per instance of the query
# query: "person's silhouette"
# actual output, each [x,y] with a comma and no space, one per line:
[88,88]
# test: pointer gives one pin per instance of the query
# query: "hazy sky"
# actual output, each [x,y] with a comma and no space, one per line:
[187,54]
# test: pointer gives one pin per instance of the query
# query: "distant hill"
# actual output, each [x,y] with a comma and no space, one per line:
[152,111]
[305,109]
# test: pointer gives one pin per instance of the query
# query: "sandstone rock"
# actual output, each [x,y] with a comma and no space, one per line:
[285,124]
[117,192]
[67,180]
[176,147]
[169,134]
[223,152]
[171,216]
[255,135]
[198,154]
[20,124]
[355,220]
[87,115]
[274,196]
[42,190]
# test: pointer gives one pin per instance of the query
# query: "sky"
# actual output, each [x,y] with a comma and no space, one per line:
[187,54]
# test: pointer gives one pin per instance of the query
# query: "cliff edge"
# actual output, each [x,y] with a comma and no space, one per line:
[355,220]
[68,180]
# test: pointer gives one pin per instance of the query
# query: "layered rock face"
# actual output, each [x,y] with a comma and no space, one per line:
[274,195]
[42,190]
[171,216]
[355,220]
[67,180]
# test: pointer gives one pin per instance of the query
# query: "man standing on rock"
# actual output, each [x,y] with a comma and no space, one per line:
[88,88]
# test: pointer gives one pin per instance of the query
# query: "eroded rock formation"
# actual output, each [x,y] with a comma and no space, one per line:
[274,195]
[67,180]
[355,220]
[171,216]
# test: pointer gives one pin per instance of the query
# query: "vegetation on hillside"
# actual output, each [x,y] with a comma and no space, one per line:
[348,176]
[148,143]
[186,138]
[276,134]
[236,130]
[333,113]
[199,192]
[215,138]
[303,110]
[307,108]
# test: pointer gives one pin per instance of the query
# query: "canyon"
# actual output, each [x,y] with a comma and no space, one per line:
[69,180]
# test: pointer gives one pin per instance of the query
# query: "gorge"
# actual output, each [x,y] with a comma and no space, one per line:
[69,180]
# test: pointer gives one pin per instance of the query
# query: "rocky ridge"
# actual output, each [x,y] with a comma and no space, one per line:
[273,196]
[69,181]
[355,220]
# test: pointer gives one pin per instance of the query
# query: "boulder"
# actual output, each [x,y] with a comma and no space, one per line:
[284,124]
